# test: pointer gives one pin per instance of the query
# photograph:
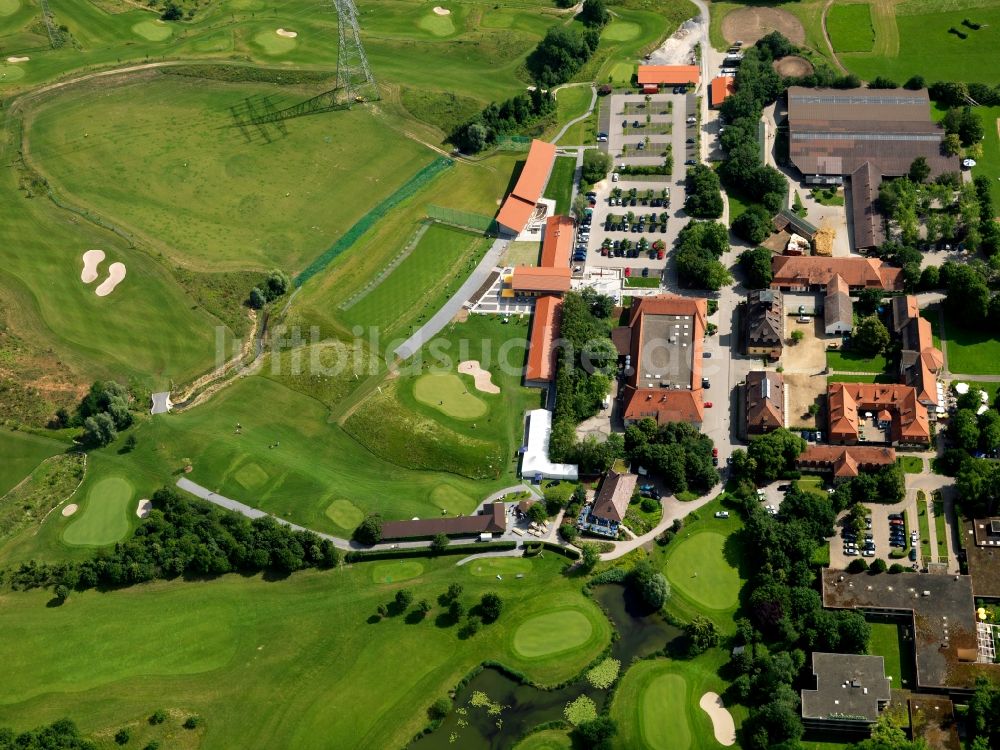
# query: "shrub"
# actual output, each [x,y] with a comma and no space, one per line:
[897,568]
[649,505]
[122,736]
[858,565]
[878,566]
[158,716]
[369,531]
[491,605]
[440,708]
[192,722]
[604,674]
[580,710]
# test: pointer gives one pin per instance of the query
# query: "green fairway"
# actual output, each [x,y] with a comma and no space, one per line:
[552,632]
[697,568]
[206,196]
[850,27]
[396,571]
[21,453]
[449,393]
[9,7]
[547,739]
[989,163]
[436,24]
[345,514]
[223,649]
[560,184]
[620,31]
[491,567]
[656,704]
[103,515]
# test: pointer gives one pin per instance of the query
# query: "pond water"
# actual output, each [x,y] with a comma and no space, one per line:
[513,709]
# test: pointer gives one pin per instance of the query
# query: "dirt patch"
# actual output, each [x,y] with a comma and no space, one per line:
[483,378]
[441,11]
[286,33]
[804,391]
[793,66]
[750,24]
[722,720]
[70,509]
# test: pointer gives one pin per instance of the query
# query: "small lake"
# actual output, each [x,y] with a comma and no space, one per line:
[514,709]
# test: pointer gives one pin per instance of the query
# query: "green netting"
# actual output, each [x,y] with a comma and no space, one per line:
[367,221]
[466,219]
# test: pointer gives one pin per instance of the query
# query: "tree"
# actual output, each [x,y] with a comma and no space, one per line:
[454,591]
[704,196]
[256,299]
[171,12]
[869,300]
[915,83]
[596,165]
[878,566]
[857,565]
[596,734]
[797,335]
[951,145]
[756,265]
[439,543]
[440,708]
[560,54]
[569,532]
[594,13]
[591,556]
[369,531]
[423,607]
[930,278]
[702,635]
[404,598]
[491,605]
[476,138]
[753,225]
[130,443]
[650,584]
[158,716]
[881,82]
[871,337]
[61,592]
[122,736]
[99,430]
[456,610]
[919,170]
[277,284]
[472,625]
[774,453]
[964,430]
[192,722]
[538,513]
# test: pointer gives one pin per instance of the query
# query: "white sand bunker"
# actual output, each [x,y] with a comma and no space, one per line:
[69,509]
[116,272]
[144,507]
[722,720]
[483,378]
[18,59]
[287,33]
[441,11]
[91,260]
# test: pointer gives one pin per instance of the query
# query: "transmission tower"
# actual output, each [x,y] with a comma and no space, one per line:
[355,82]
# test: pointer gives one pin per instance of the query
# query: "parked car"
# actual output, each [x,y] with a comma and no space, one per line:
[722,514]
[706,355]
[708,404]
[913,555]
[895,516]
[706,383]
[690,163]
[715,451]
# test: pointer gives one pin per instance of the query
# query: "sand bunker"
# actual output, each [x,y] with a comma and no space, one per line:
[147,505]
[18,59]
[441,11]
[91,260]
[484,381]
[287,33]
[722,720]
[70,509]
[116,272]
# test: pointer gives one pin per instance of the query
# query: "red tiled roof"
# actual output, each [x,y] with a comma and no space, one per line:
[515,212]
[531,279]
[909,424]
[813,270]
[517,209]
[670,75]
[843,460]
[544,330]
[614,495]
[557,245]
[722,87]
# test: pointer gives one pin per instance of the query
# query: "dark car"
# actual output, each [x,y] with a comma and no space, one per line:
[913,555]
[690,163]
[690,140]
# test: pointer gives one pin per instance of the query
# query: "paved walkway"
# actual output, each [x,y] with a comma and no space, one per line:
[584,116]
[672,510]
[516,552]
[451,308]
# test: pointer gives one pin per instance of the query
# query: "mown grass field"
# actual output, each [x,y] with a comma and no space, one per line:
[971,350]
[572,102]
[850,27]
[560,185]
[22,452]
[103,516]
[223,649]
[989,163]
[851,362]
[887,641]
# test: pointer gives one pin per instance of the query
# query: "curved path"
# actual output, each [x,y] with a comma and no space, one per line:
[584,116]
[516,552]
[826,38]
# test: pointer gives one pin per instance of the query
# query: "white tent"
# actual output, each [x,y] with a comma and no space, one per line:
[535,460]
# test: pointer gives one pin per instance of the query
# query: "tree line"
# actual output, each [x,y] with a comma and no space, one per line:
[677,451]
[700,244]
[186,537]
[507,118]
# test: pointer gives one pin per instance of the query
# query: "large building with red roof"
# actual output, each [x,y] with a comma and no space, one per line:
[665,336]
[803,273]
[520,204]
[877,413]
[720,90]
[651,77]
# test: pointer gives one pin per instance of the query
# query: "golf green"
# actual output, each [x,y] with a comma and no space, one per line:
[154,31]
[437,25]
[104,519]
[396,571]
[10,73]
[697,567]
[446,392]
[9,7]
[661,727]
[621,31]
[492,566]
[273,44]
[552,632]
[345,514]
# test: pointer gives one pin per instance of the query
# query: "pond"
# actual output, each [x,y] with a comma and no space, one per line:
[493,711]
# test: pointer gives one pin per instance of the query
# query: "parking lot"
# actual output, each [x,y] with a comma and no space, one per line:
[883,519]
[640,131]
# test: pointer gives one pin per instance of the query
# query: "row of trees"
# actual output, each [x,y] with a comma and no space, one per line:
[700,244]
[704,193]
[561,54]
[508,117]
[768,457]
[190,538]
[677,451]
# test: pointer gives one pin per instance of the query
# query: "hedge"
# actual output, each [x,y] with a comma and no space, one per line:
[452,549]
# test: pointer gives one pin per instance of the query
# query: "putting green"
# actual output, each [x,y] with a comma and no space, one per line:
[551,633]
[273,44]
[621,31]
[396,571]
[251,476]
[104,519]
[10,73]
[447,497]
[345,514]
[154,31]
[9,7]
[697,567]
[437,25]
[663,714]
[446,392]
[494,566]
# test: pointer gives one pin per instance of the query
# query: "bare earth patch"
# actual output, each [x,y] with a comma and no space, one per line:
[91,260]
[144,507]
[116,272]
[18,59]
[793,66]
[441,11]
[722,720]
[750,24]
[70,509]
[483,378]
[287,33]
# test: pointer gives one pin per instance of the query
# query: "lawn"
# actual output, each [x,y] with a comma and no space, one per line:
[572,102]
[642,282]
[103,517]
[813,485]
[850,27]
[560,185]
[199,648]
[882,377]
[547,739]
[737,205]
[847,361]
[940,529]
[887,641]
[911,464]
[446,392]
[418,286]
[656,704]
[971,351]
[925,531]
[989,163]
[831,196]
[22,452]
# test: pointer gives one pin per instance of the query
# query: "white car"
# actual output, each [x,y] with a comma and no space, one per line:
[722,514]
[771,509]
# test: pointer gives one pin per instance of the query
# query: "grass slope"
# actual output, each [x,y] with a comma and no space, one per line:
[22,452]
[223,649]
